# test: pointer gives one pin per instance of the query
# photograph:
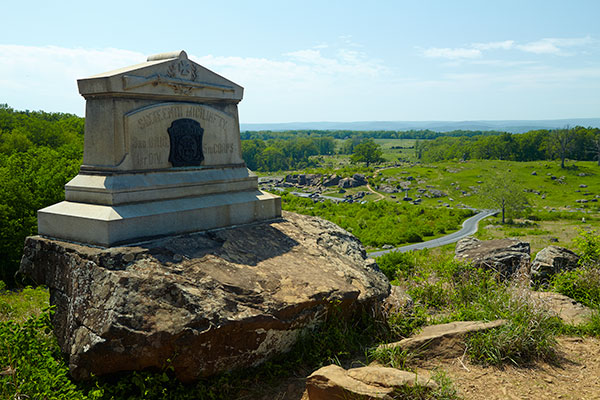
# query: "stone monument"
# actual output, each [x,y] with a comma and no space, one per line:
[162,156]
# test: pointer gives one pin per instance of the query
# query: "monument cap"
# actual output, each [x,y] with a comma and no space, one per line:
[167,56]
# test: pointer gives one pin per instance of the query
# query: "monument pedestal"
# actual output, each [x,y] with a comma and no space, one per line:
[109,225]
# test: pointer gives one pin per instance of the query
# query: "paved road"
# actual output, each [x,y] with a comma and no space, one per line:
[469,228]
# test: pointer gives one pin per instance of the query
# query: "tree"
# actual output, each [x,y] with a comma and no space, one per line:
[561,141]
[595,144]
[367,151]
[505,194]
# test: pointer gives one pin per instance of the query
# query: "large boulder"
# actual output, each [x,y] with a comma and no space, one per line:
[209,302]
[331,180]
[550,261]
[503,255]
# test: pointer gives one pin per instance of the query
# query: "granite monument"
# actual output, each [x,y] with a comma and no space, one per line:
[162,156]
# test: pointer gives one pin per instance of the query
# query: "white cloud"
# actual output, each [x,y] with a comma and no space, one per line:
[554,45]
[452,54]
[504,45]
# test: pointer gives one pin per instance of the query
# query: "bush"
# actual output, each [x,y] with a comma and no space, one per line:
[588,244]
[396,263]
[581,284]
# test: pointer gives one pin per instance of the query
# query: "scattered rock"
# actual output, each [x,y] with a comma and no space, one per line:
[388,189]
[371,382]
[445,340]
[434,193]
[550,261]
[237,296]
[398,302]
[567,309]
[503,255]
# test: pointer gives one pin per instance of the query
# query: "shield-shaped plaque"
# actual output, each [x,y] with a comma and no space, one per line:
[185,136]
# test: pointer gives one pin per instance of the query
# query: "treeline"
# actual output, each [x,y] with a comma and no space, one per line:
[39,153]
[577,143]
[347,134]
[285,154]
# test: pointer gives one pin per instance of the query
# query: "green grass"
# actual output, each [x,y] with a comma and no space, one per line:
[380,223]
[448,290]
[467,175]
[20,305]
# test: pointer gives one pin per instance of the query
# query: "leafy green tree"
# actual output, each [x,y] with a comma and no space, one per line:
[503,193]
[368,152]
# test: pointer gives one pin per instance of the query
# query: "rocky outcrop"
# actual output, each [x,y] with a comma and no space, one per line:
[355,181]
[444,340]
[371,382]
[331,180]
[209,302]
[550,261]
[304,179]
[503,255]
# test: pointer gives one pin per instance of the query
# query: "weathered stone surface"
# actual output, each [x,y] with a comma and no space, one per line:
[388,189]
[434,193]
[372,382]
[445,340]
[398,302]
[503,255]
[210,301]
[567,309]
[332,180]
[550,261]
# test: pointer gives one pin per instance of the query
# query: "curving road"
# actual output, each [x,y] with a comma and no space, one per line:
[469,228]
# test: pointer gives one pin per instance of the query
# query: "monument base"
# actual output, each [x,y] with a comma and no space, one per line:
[109,225]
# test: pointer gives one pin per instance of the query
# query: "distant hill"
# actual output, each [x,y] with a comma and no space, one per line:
[513,126]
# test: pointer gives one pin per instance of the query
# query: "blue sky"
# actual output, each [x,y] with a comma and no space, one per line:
[323,60]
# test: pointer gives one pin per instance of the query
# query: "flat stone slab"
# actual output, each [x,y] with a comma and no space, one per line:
[371,382]
[567,309]
[444,340]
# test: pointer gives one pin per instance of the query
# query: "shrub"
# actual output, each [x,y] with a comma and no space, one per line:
[396,263]
[581,284]
[588,244]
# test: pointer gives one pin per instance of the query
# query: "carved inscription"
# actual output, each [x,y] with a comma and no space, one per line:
[180,111]
[151,143]
[149,153]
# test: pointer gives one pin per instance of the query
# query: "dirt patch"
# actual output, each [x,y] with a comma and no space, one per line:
[574,377]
